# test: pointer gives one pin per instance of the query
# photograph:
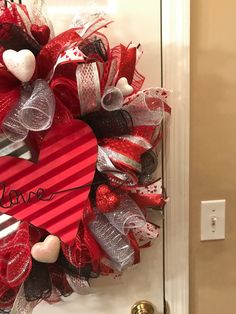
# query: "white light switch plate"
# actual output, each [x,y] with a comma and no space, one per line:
[213,220]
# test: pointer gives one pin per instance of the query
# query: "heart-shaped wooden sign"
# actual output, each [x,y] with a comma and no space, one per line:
[51,194]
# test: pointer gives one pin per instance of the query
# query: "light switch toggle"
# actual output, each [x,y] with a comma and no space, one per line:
[213,220]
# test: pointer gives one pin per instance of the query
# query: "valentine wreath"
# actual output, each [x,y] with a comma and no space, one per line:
[78,157]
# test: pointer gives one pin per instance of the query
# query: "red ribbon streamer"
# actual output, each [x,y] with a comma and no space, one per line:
[148,200]
[64,86]
[50,52]
[11,15]
[127,63]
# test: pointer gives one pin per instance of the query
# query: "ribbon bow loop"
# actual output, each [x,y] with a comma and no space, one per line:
[33,112]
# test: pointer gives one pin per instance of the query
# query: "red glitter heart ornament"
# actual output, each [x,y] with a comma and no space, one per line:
[106,199]
[51,194]
[40,33]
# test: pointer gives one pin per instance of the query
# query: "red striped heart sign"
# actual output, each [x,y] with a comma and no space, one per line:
[51,193]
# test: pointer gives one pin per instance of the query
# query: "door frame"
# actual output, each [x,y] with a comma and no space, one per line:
[176,77]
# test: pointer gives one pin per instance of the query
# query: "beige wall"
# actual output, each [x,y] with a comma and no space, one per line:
[213,152]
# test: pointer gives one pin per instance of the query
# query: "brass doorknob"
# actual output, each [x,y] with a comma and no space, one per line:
[142,307]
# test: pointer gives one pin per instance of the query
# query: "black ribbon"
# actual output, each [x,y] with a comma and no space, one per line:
[14,37]
[109,123]
[38,285]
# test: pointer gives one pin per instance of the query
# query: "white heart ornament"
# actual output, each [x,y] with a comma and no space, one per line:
[46,251]
[124,86]
[20,63]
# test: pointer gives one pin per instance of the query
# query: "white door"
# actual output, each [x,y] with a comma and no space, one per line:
[139,22]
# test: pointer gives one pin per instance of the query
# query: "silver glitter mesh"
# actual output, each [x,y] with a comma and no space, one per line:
[12,126]
[126,216]
[147,108]
[123,158]
[112,242]
[34,111]
[21,305]
[38,111]
[88,87]
[78,285]
[104,165]
[112,99]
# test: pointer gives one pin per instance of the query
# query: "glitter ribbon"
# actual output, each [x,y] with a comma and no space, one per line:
[88,87]
[105,165]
